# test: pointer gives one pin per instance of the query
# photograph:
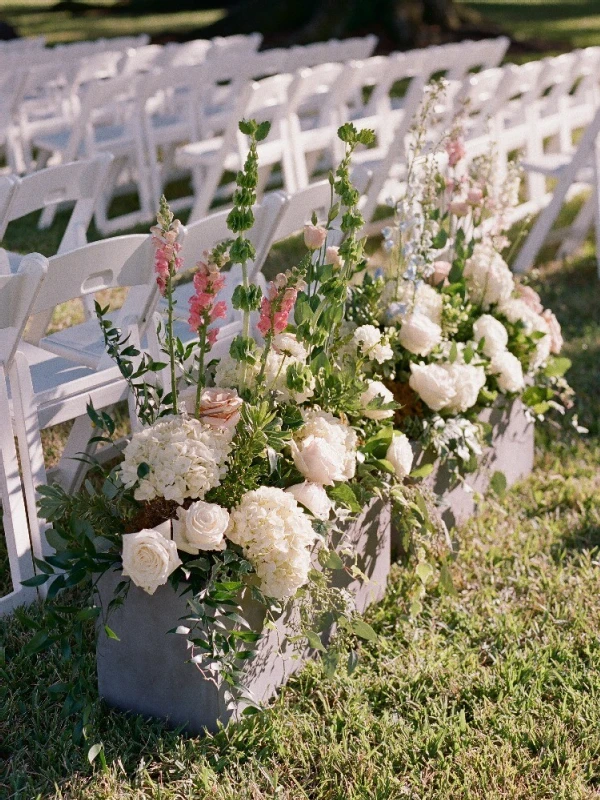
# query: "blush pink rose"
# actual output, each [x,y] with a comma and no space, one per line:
[441,270]
[314,236]
[475,196]
[530,297]
[459,208]
[220,407]
[556,339]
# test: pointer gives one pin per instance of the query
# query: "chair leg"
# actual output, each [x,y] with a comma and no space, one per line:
[576,234]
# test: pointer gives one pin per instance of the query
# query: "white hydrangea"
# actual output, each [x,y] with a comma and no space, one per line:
[275,535]
[324,448]
[372,344]
[488,277]
[493,332]
[185,458]
[229,371]
[419,335]
[509,372]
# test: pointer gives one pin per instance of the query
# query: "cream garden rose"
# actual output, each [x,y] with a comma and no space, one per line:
[433,384]
[313,497]
[324,449]
[493,332]
[419,335]
[149,558]
[468,381]
[508,371]
[201,527]
[400,455]
[376,389]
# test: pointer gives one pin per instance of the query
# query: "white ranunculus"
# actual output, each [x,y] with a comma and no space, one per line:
[433,384]
[419,335]
[508,371]
[488,276]
[373,390]
[372,344]
[313,497]
[493,332]
[400,455]
[201,527]
[149,558]
[468,382]
[324,449]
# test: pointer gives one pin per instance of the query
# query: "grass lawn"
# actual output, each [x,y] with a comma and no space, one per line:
[494,693]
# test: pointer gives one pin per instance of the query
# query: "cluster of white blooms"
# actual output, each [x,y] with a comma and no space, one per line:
[372,343]
[419,335]
[488,276]
[451,387]
[183,458]
[376,389]
[275,535]
[516,310]
[324,449]
[455,435]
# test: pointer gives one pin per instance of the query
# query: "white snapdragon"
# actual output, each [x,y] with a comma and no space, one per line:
[324,449]
[149,558]
[275,535]
[493,332]
[419,335]
[372,344]
[488,276]
[377,389]
[183,458]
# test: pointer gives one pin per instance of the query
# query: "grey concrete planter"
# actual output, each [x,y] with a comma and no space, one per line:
[146,671]
[511,453]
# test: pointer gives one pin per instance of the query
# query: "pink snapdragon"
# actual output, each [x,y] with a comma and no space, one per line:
[166,249]
[276,307]
[455,150]
[208,282]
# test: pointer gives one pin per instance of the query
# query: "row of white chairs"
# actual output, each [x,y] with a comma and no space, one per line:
[50,380]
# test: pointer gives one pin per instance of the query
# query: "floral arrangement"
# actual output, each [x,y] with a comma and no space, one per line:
[244,463]
[466,333]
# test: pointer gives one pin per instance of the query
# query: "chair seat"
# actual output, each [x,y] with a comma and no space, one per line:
[81,343]
[198,153]
[105,136]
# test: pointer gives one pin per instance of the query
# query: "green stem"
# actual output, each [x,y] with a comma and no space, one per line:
[170,338]
[201,350]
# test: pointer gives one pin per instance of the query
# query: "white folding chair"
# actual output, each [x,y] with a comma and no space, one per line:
[580,167]
[108,121]
[79,182]
[209,159]
[46,389]
[17,294]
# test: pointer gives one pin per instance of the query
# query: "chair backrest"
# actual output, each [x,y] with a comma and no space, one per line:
[17,296]
[141,59]
[80,182]
[311,88]
[125,261]
[458,59]
[185,54]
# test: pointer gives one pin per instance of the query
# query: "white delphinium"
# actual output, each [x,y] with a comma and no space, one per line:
[408,297]
[183,458]
[488,276]
[493,332]
[324,448]
[376,389]
[509,372]
[275,535]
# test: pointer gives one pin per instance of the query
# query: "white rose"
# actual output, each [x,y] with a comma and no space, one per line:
[149,558]
[313,497]
[201,527]
[400,455]
[468,382]
[433,384]
[324,449]
[419,334]
[377,389]
[488,276]
[494,333]
[509,372]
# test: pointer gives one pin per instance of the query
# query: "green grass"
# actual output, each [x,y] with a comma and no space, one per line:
[494,693]
[36,17]
[562,24]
